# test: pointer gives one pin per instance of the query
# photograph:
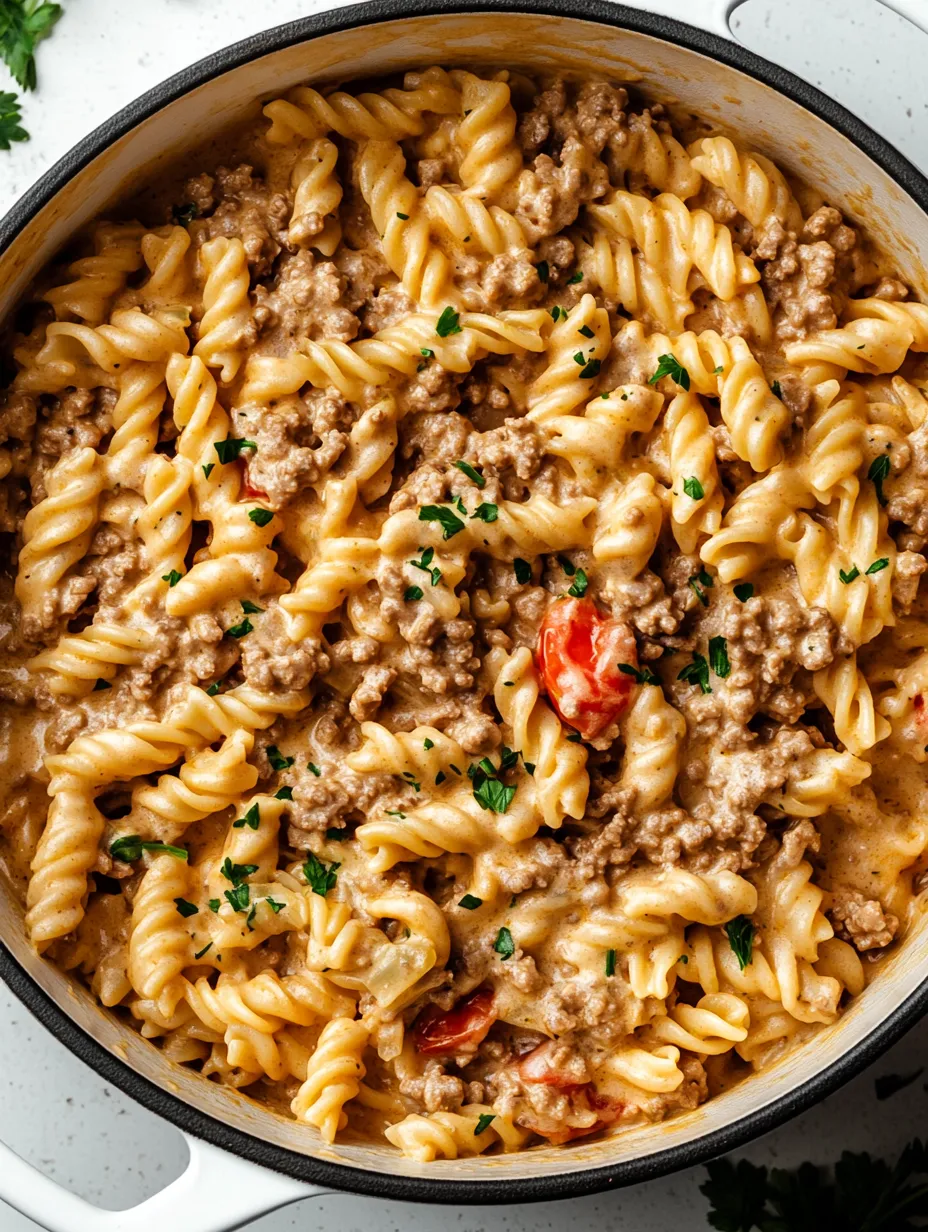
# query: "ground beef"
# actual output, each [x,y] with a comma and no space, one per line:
[305,301]
[295,447]
[245,209]
[861,921]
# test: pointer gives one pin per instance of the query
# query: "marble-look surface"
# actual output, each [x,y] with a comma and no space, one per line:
[59,1114]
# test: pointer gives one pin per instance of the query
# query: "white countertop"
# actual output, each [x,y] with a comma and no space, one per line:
[57,1113]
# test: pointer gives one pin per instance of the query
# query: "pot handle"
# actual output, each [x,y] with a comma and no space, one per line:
[217,1192]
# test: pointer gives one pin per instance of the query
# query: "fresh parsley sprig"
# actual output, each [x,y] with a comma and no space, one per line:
[23,25]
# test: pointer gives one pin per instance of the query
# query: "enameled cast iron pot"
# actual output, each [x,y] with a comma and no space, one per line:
[245,1160]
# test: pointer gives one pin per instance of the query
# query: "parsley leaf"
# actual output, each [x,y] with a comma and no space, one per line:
[229,449]
[447,519]
[879,565]
[610,962]
[10,128]
[567,565]
[320,876]
[586,331]
[669,365]
[472,473]
[486,512]
[249,608]
[172,578]
[541,269]
[852,574]
[448,323]
[578,587]
[22,26]
[694,489]
[239,898]
[181,215]
[241,629]
[523,570]
[591,369]
[206,949]
[470,902]
[236,873]
[879,469]
[274,905]
[277,759]
[718,657]
[558,314]
[493,795]
[744,591]
[334,835]
[186,909]
[313,769]
[740,933]
[642,677]
[285,793]
[504,944]
[129,847]
[697,672]
[411,593]
[483,1120]
[252,818]
[260,517]
[574,279]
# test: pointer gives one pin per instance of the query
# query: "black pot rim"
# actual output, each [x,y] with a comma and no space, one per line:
[319,1172]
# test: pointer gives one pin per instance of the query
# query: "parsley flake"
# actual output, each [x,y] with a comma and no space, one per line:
[744,591]
[252,819]
[574,279]
[577,588]
[448,323]
[718,657]
[321,877]
[472,473]
[129,848]
[260,517]
[483,1121]
[694,489]
[313,769]
[486,512]
[206,949]
[249,608]
[236,873]
[172,578]
[470,902]
[645,676]
[239,897]
[696,672]
[541,269]
[669,365]
[493,795]
[740,933]
[879,565]
[446,518]
[229,449]
[186,909]
[411,593]
[504,944]
[879,469]
[285,793]
[277,759]
[522,569]
[243,628]
[610,962]
[852,574]
[208,469]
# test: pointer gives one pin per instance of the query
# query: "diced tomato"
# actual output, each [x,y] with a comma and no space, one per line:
[541,1065]
[609,1110]
[579,652]
[918,705]
[444,1032]
[249,491]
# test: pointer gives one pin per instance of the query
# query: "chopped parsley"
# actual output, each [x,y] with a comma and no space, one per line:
[411,780]
[558,314]
[239,897]
[214,688]
[578,587]
[591,370]
[241,629]
[321,877]
[494,795]
[252,819]
[610,962]
[586,331]
[260,517]
[696,584]
[879,565]
[852,574]
[249,608]
[229,449]
[236,873]
[694,489]
[411,593]
[182,214]
[313,769]
[486,512]
[425,564]
[277,759]
[669,365]
[448,520]
[541,269]
[567,565]
[645,676]
[206,949]
[696,672]
[334,835]
[274,905]
[483,1121]
[718,657]
[214,904]
[504,944]
[472,473]
[428,744]
[427,352]
[448,323]
[574,279]
[172,578]
[285,793]
[879,469]
[129,847]
[186,909]
[522,569]
[440,778]
[744,591]
[470,902]
[208,469]
[402,217]
[740,932]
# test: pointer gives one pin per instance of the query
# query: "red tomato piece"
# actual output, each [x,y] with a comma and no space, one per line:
[441,1033]
[541,1065]
[249,491]
[579,652]
[609,1110]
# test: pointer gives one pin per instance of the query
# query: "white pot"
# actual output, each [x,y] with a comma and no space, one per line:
[773,112]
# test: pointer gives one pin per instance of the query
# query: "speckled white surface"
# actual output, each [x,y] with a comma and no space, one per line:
[59,1114]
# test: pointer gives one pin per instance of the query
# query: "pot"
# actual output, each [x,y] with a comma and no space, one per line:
[244,1159]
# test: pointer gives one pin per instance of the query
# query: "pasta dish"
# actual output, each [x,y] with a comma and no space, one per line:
[463,662]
